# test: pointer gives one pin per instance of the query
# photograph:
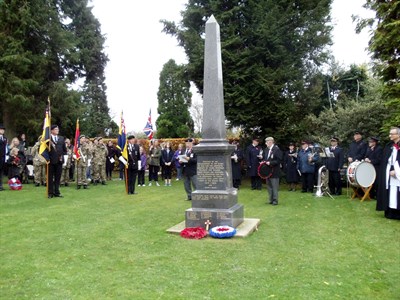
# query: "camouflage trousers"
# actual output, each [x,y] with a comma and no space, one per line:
[81,173]
[64,175]
[39,171]
[99,172]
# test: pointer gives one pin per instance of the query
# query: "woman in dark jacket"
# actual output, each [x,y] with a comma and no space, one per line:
[112,152]
[290,167]
[236,159]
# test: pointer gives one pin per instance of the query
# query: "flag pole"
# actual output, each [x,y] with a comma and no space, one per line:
[126,179]
[48,149]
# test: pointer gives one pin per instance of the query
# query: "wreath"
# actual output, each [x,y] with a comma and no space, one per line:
[193,233]
[264,170]
[222,232]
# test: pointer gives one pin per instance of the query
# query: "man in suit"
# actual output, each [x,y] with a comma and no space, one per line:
[3,153]
[254,155]
[273,157]
[334,164]
[56,153]
[133,163]
[374,156]
[189,165]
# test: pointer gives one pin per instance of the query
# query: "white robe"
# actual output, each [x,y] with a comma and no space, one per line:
[393,184]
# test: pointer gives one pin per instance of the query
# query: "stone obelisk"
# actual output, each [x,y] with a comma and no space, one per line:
[215,199]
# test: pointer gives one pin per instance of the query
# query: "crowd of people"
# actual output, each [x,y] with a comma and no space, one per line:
[94,163]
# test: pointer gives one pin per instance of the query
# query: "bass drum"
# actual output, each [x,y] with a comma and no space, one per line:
[361,174]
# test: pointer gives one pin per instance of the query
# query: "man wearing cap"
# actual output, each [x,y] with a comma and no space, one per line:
[254,155]
[236,163]
[133,163]
[334,164]
[99,161]
[3,153]
[273,157]
[56,153]
[374,156]
[189,169]
[388,197]
[306,160]
[357,148]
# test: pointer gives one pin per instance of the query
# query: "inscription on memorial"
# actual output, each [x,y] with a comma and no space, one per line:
[192,215]
[203,197]
[211,173]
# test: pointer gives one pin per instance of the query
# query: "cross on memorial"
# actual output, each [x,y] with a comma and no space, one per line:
[207,223]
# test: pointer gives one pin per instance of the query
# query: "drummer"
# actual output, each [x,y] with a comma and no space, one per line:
[373,156]
[334,164]
[357,149]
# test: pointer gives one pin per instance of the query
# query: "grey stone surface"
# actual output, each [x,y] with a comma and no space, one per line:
[215,199]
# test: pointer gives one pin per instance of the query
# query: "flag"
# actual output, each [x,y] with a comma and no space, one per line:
[148,129]
[77,141]
[122,146]
[45,140]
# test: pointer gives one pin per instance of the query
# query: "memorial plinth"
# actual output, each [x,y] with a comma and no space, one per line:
[215,199]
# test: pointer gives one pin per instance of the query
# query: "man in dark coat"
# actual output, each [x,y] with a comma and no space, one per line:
[236,160]
[273,158]
[3,153]
[357,148]
[334,164]
[306,160]
[388,197]
[254,155]
[374,156]
[56,154]
[133,163]
[189,165]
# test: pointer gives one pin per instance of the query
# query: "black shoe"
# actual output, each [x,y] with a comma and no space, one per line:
[50,196]
[103,183]
[304,191]
[1,189]
[37,184]
[274,202]
[85,187]
[78,187]
[66,184]
[58,196]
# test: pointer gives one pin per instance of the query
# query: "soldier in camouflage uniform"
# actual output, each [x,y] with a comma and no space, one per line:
[82,163]
[67,164]
[39,164]
[99,161]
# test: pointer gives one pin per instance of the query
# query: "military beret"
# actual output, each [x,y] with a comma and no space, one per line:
[374,139]
[189,140]
[2,126]
[334,139]
[131,137]
[54,127]
[358,132]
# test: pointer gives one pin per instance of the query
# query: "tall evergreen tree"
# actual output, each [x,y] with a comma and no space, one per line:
[174,100]
[385,48]
[46,47]
[271,51]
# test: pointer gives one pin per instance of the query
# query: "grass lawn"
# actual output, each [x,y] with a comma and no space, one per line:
[103,244]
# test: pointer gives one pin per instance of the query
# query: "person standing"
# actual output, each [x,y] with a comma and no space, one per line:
[357,148]
[374,156]
[334,164]
[39,164]
[154,162]
[111,153]
[189,165]
[273,157]
[306,160]
[290,167]
[388,197]
[82,163]
[67,164]
[236,161]
[3,154]
[167,157]
[177,164]
[99,161]
[143,164]
[254,154]
[133,163]
[56,154]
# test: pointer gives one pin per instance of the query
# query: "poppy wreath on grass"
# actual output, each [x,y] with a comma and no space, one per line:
[193,233]
[222,232]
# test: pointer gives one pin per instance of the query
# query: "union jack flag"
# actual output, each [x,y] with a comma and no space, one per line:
[148,129]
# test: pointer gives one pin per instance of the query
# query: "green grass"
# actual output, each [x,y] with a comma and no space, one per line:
[103,244]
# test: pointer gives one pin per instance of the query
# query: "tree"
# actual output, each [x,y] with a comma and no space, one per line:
[46,48]
[384,45]
[174,100]
[196,111]
[271,52]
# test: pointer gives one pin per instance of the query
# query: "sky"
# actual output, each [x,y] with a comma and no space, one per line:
[137,50]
